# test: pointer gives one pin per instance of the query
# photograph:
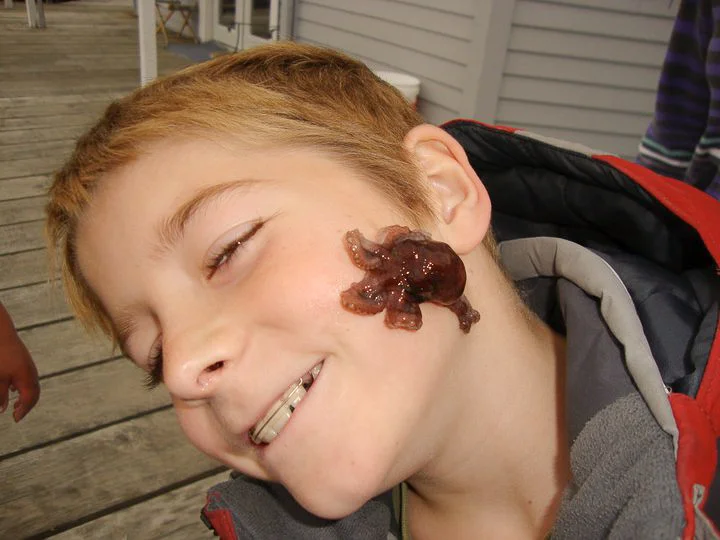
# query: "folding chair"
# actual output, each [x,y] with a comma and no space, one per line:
[175,6]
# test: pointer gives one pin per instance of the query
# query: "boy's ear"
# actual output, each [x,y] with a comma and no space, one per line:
[461,199]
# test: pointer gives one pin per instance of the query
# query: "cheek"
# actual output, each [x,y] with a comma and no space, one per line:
[194,425]
[297,287]
[201,429]
[300,282]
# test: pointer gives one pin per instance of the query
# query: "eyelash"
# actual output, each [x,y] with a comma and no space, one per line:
[229,251]
[155,369]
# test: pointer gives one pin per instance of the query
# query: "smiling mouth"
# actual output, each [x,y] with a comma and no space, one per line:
[280,412]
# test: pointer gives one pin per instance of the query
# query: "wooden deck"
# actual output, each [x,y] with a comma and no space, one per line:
[99,457]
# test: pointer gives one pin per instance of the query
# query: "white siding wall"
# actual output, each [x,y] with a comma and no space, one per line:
[585,70]
[425,38]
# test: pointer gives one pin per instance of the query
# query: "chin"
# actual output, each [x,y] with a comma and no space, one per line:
[336,499]
[328,505]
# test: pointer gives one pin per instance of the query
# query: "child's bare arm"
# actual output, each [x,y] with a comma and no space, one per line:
[17,369]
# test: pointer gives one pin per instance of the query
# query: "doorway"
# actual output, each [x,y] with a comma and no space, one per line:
[239,24]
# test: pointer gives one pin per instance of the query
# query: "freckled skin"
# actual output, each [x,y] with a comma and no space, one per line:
[404,269]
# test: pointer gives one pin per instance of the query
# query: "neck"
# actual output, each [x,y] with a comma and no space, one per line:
[501,466]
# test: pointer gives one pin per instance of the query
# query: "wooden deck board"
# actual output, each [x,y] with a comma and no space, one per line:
[39,111]
[23,105]
[126,80]
[23,268]
[21,236]
[26,186]
[28,209]
[58,66]
[99,457]
[54,150]
[77,348]
[45,121]
[40,134]
[63,483]
[35,304]
[34,166]
[82,400]
[173,515]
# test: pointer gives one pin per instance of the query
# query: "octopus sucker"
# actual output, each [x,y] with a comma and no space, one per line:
[402,270]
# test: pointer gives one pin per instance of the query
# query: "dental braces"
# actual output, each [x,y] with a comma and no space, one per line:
[268,428]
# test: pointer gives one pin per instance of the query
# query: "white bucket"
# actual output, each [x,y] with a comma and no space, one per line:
[408,85]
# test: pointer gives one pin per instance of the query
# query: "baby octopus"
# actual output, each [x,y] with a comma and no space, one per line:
[405,269]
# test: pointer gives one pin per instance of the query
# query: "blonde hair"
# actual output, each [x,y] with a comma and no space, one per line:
[281,95]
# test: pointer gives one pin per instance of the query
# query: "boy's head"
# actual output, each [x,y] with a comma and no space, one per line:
[284,95]
[200,223]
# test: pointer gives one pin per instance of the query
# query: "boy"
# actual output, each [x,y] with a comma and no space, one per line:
[208,224]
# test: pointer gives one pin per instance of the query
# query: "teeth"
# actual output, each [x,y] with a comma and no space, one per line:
[281,411]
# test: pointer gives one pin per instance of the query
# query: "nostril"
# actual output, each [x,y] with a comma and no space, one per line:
[214,367]
[209,373]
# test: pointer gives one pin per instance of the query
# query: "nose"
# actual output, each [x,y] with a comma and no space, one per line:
[198,358]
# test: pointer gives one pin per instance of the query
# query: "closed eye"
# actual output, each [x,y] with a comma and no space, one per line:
[228,251]
[155,368]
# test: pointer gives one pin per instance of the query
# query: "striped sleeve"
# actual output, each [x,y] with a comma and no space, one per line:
[685,99]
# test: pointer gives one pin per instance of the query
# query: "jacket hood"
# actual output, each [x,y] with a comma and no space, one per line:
[659,243]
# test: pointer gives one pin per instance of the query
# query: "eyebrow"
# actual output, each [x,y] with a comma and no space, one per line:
[172,229]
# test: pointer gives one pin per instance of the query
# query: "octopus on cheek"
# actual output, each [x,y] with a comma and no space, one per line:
[404,269]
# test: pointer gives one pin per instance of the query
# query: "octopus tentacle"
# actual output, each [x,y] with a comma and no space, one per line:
[402,312]
[466,315]
[400,232]
[365,254]
[365,297]
[388,235]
